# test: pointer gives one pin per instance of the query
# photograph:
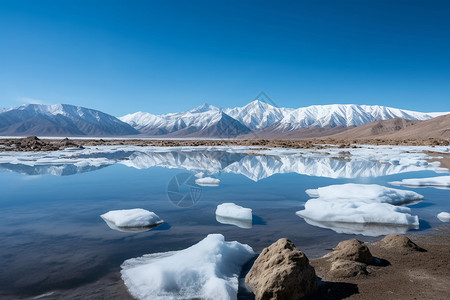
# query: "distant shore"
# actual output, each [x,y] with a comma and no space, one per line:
[53,144]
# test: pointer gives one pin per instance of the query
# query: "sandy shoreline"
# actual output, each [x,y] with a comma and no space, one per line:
[409,275]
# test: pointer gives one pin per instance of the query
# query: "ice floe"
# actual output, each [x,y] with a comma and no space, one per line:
[207,270]
[439,181]
[444,216]
[361,204]
[230,213]
[370,193]
[207,181]
[133,220]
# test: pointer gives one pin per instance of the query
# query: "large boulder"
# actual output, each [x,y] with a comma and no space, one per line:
[280,272]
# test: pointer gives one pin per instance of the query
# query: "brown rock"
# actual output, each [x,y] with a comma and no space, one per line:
[353,250]
[347,268]
[281,271]
[400,242]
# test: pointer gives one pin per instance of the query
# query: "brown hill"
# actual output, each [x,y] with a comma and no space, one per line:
[438,127]
[377,128]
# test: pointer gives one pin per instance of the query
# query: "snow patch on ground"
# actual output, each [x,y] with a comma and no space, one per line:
[207,270]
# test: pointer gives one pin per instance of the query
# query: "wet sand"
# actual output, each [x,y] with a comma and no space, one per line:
[409,274]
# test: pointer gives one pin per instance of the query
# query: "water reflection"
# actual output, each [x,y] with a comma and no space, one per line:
[130,229]
[366,229]
[241,223]
[209,161]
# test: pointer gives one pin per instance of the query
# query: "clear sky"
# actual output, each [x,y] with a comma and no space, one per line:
[168,56]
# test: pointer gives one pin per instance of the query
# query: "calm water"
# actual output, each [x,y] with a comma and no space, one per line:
[52,237]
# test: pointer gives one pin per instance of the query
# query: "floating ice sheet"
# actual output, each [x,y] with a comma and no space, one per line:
[230,213]
[207,181]
[136,219]
[359,204]
[444,216]
[439,182]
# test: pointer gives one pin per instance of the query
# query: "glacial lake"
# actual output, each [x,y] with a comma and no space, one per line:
[52,236]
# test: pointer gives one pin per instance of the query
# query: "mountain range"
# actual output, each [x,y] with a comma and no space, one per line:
[256,119]
[60,120]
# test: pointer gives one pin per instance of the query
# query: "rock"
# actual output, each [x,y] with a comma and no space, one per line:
[353,250]
[347,268]
[281,271]
[400,242]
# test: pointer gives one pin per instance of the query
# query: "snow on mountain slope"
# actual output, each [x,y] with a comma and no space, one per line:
[140,120]
[342,115]
[205,120]
[260,116]
[60,119]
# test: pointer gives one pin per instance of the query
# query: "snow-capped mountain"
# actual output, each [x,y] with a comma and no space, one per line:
[205,120]
[258,115]
[344,115]
[60,120]
[261,116]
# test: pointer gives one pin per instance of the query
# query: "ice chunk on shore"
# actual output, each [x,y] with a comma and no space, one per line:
[230,213]
[439,181]
[444,216]
[360,203]
[207,270]
[207,181]
[131,218]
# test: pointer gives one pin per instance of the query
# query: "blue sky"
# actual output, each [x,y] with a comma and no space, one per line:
[167,56]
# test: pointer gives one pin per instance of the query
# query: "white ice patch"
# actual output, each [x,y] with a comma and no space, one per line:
[444,216]
[207,181]
[440,181]
[360,203]
[207,270]
[230,213]
[131,218]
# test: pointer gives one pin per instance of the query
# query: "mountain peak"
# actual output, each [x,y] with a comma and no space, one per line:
[259,103]
[203,108]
